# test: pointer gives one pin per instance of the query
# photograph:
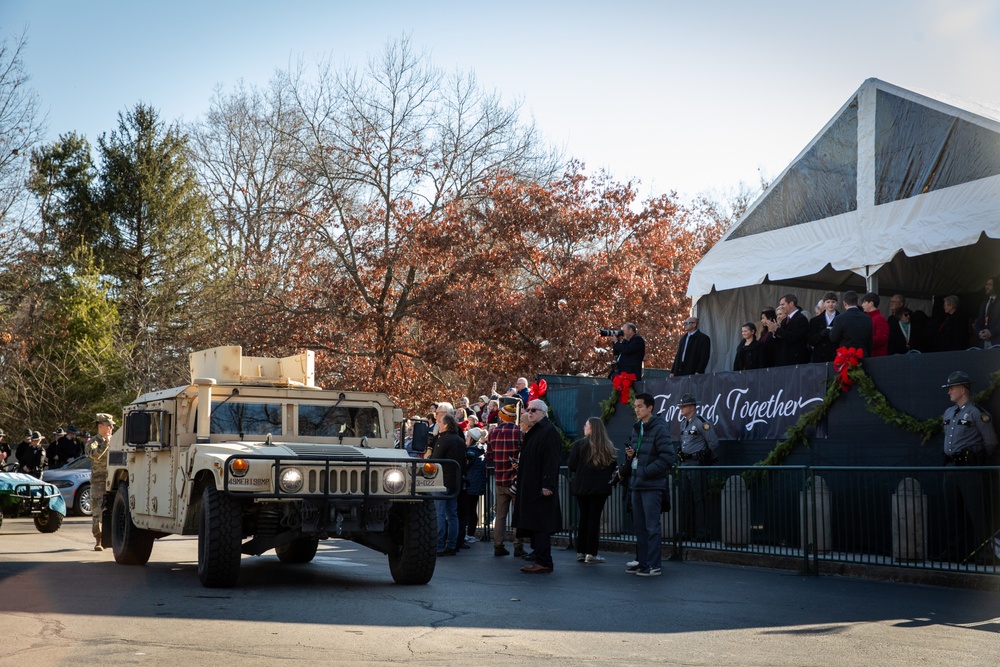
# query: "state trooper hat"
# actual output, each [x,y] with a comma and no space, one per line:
[688,399]
[105,418]
[957,378]
[27,433]
[59,431]
[2,434]
[72,430]
[35,435]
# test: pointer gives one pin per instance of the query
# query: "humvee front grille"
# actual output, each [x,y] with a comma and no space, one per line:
[345,482]
[344,477]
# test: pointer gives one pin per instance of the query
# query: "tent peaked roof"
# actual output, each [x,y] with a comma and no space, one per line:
[894,171]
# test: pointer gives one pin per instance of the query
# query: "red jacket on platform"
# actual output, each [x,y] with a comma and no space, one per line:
[880,334]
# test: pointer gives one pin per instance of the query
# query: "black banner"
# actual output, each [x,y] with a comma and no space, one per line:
[757,405]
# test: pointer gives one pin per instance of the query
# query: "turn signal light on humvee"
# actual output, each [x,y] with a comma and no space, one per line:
[430,469]
[239,467]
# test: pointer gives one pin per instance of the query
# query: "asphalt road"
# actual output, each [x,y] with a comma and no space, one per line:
[63,604]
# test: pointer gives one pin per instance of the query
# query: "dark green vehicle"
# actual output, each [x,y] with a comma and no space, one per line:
[24,495]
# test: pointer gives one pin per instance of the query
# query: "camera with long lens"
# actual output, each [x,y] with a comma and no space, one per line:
[611,332]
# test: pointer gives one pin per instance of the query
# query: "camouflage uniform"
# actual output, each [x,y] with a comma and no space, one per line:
[97,451]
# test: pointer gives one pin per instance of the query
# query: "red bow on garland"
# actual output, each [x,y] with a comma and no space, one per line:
[537,389]
[623,383]
[846,359]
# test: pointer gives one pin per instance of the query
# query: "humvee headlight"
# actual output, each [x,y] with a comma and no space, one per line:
[430,470]
[394,481]
[290,480]
[238,467]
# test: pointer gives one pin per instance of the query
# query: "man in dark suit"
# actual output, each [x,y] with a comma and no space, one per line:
[819,330]
[693,351]
[791,335]
[988,322]
[852,328]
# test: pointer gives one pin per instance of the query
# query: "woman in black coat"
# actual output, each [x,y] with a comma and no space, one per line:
[748,351]
[449,444]
[768,322]
[592,462]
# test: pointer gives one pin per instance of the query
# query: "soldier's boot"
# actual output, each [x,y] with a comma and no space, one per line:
[98,547]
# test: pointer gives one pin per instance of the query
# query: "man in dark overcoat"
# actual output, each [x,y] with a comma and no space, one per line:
[537,512]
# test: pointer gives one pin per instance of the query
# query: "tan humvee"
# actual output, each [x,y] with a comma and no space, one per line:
[253,449]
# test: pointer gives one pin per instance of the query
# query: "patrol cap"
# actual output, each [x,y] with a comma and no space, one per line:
[105,418]
[35,435]
[59,431]
[688,399]
[957,378]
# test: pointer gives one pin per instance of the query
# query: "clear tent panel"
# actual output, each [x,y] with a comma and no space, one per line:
[822,183]
[919,149]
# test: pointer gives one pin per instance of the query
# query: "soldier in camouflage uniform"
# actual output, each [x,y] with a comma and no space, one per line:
[97,450]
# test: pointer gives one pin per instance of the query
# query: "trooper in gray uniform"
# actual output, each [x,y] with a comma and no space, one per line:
[698,446]
[969,440]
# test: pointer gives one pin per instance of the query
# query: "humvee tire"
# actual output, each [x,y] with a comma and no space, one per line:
[130,545]
[48,521]
[300,550]
[220,532]
[413,531]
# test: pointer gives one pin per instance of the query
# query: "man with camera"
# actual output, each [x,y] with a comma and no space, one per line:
[629,349]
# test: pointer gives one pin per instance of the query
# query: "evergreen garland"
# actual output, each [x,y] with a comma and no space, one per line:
[875,401]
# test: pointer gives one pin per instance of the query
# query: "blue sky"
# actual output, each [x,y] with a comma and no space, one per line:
[684,96]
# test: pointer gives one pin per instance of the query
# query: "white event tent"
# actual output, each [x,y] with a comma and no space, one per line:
[898,193]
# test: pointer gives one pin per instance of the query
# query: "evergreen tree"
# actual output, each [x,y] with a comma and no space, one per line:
[154,243]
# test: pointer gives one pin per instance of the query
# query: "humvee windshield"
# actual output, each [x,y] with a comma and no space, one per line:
[332,422]
[246,418]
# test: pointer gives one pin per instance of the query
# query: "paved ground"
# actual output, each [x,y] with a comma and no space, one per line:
[63,604]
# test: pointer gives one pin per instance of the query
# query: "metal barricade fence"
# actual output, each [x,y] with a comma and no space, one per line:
[942,518]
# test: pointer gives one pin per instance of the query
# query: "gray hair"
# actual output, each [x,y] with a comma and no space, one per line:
[448,407]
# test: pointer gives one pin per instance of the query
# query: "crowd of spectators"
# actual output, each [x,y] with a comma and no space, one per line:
[786,335]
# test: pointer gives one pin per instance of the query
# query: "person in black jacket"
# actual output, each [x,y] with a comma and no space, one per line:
[33,461]
[4,449]
[748,351]
[649,457]
[448,444]
[592,462]
[630,350]
[819,331]
[768,323]
[693,351]
[951,332]
[536,511]
[852,328]
[791,334]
